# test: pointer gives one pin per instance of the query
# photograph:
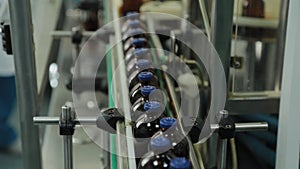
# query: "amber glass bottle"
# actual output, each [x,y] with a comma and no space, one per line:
[253,8]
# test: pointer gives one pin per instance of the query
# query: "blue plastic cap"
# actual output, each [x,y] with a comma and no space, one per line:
[167,122]
[140,52]
[152,106]
[160,143]
[180,163]
[138,42]
[146,90]
[132,15]
[145,76]
[134,23]
[143,64]
[136,31]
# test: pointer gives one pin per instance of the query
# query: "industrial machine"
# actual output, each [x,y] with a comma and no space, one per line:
[149,84]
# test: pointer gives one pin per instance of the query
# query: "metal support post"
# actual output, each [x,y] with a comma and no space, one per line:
[223,144]
[68,151]
[26,83]
[221,31]
[67,121]
[66,129]
[226,130]
[222,16]
[283,18]
[223,154]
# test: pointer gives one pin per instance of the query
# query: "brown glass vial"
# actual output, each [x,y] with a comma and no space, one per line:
[256,9]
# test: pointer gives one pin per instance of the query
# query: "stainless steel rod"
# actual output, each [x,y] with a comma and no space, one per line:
[223,154]
[240,127]
[39,120]
[68,151]
[281,38]
[26,82]
[68,34]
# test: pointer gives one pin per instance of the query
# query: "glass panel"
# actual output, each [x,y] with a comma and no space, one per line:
[254,46]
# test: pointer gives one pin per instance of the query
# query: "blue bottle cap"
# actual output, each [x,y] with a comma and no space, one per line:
[132,15]
[180,163]
[134,23]
[146,90]
[140,52]
[136,31]
[160,143]
[145,76]
[167,122]
[138,42]
[143,64]
[152,106]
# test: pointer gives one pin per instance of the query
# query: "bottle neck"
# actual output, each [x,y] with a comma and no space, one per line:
[170,129]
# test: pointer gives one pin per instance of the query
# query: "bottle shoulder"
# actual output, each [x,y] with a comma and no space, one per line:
[152,160]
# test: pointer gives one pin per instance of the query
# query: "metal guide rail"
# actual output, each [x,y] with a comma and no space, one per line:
[171,94]
[68,121]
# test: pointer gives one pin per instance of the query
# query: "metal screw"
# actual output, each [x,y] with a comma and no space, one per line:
[228,126]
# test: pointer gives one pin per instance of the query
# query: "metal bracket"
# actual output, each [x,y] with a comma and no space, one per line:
[109,117]
[226,130]
[67,121]
[6,38]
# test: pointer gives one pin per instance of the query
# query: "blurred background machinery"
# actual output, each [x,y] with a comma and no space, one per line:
[87,77]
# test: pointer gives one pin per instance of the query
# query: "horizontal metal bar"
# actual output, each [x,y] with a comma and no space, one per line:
[265,105]
[257,126]
[67,34]
[240,127]
[55,120]
[255,22]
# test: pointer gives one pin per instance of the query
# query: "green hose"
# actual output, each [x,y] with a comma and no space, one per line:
[113,156]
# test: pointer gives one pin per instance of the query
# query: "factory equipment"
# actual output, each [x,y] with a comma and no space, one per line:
[155,86]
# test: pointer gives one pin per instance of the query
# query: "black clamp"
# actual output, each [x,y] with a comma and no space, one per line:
[194,126]
[67,121]
[108,119]
[76,36]
[226,125]
[226,128]
[6,38]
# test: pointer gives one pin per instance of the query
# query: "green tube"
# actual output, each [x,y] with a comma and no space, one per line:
[160,78]
[113,157]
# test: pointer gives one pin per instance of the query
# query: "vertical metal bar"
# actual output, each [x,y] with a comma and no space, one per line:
[66,117]
[222,144]
[222,154]
[221,30]
[281,42]
[23,49]
[68,151]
